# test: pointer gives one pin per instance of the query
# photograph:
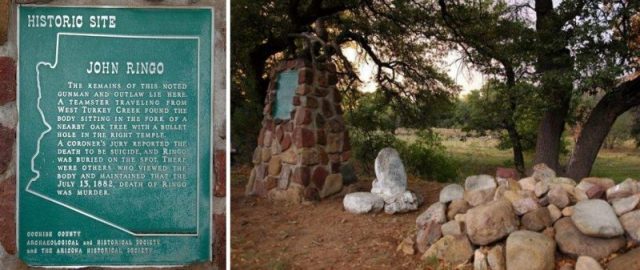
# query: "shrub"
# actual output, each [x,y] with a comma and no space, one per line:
[425,157]
[366,145]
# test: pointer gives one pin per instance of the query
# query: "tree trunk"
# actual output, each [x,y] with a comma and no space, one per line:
[518,156]
[262,84]
[550,135]
[510,122]
[598,125]
[554,61]
[258,58]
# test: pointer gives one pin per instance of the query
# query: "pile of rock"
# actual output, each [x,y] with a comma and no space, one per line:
[388,191]
[505,223]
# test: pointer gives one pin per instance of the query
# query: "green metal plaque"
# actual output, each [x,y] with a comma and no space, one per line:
[286,83]
[114,137]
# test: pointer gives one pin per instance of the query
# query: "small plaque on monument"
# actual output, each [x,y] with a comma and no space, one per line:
[114,140]
[287,83]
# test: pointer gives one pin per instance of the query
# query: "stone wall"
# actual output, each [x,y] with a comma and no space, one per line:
[8,113]
[305,157]
[8,120]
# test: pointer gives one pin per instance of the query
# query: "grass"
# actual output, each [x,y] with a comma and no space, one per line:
[478,155]
[618,164]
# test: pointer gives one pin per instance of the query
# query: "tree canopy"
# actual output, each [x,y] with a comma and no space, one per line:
[405,54]
[541,58]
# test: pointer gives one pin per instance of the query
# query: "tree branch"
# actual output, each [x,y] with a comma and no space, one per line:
[315,10]
[293,11]
[571,12]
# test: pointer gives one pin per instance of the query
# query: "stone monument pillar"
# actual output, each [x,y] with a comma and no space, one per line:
[303,147]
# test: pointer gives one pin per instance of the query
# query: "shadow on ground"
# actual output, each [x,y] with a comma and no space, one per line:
[267,235]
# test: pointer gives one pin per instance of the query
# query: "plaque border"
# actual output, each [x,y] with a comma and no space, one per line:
[83,212]
[211,149]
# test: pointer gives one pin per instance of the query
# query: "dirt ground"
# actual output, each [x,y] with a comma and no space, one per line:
[321,235]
